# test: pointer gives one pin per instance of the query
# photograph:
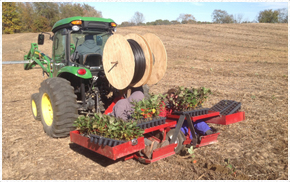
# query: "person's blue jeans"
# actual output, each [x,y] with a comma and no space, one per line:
[200,128]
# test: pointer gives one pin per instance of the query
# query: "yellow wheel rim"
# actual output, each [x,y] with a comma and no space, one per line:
[34,108]
[47,111]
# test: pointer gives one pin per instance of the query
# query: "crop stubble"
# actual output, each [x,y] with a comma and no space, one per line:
[247,63]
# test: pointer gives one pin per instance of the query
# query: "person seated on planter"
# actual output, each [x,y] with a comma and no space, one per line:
[120,96]
[124,108]
[200,126]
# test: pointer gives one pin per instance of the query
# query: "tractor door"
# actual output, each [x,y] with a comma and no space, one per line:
[59,51]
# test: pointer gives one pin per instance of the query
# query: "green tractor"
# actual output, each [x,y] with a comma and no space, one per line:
[77,83]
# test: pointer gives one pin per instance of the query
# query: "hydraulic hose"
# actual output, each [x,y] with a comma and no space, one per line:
[140,62]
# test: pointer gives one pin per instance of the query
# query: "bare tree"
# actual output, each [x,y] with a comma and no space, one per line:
[186,18]
[138,18]
[238,18]
[283,15]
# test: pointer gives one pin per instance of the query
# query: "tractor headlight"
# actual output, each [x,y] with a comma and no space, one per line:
[75,28]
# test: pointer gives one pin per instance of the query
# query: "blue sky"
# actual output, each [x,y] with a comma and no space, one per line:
[124,11]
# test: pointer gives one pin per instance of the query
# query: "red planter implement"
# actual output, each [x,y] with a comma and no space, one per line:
[225,112]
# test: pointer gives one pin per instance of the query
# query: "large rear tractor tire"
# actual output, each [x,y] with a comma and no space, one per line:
[35,106]
[59,108]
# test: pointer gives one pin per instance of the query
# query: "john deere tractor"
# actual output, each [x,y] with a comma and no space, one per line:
[77,83]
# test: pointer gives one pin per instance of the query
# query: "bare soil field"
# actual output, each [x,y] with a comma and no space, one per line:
[247,63]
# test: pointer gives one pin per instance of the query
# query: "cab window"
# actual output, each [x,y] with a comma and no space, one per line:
[98,40]
[58,48]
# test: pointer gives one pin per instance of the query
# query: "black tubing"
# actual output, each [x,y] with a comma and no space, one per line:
[140,62]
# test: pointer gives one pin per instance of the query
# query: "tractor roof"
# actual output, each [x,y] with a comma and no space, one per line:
[66,22]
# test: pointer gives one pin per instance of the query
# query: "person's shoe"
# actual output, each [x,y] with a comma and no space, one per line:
[146,151]
[209,132]
[214,130]
[154,145]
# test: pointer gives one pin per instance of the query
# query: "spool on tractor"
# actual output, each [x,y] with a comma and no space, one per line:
[83,83]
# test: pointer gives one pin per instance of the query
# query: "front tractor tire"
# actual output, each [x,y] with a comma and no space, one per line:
[59,108]
[35,106]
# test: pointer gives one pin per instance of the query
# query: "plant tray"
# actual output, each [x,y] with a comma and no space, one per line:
[115,152]
[227,107]
[105,141]
[151,123]
[193,113]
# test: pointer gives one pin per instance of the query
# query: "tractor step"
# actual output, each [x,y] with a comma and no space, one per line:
[227,107]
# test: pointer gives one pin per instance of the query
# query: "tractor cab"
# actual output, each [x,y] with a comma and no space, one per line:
[79,41]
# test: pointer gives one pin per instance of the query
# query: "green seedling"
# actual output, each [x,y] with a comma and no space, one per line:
[108,127]
[191,152]
[188,98]
[230,166]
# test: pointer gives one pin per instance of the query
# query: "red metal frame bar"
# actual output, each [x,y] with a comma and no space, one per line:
[187,140]
[174,118]
[209,115]
[228,119]
[208,139]
[205,140]
[158,154]
[159,127]
[114,153]
[129,157]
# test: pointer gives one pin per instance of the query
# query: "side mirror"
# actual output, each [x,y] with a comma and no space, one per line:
[40,39]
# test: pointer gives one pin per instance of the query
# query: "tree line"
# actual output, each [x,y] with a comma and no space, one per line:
[41,16]
[218,16]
